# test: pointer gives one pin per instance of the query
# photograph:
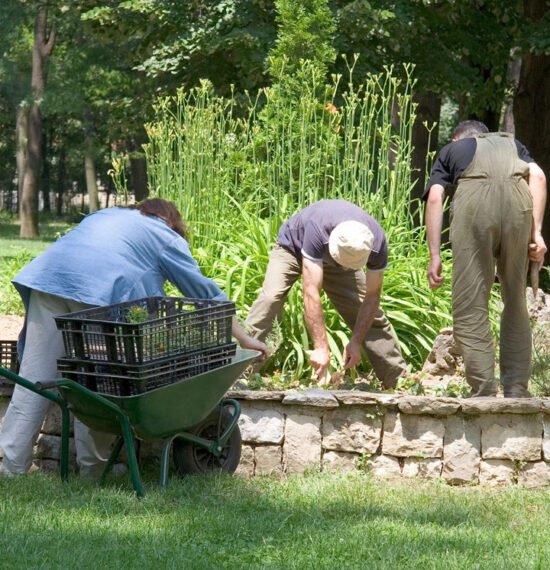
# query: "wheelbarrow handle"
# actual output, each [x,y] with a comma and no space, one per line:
[46,384]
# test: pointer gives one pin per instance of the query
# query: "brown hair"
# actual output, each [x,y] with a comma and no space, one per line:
[165,211]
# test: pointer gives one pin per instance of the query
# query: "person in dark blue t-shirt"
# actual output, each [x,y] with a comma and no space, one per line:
[329,244]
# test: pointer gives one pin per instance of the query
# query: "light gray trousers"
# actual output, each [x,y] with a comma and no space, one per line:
[27,410]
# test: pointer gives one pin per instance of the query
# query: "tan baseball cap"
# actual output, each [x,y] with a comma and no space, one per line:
[350,244]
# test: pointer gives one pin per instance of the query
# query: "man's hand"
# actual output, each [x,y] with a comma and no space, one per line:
[319,359]
[537,250]
[435,268]
[352,354]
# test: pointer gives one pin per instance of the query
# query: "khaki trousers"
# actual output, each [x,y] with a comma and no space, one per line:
[490,229]
[346,289]
[27,410]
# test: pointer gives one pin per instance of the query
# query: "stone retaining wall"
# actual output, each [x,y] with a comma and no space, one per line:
[487,441]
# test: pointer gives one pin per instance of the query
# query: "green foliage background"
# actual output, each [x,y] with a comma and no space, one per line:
[237,179]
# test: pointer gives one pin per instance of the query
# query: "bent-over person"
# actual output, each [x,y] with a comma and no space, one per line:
[329,244]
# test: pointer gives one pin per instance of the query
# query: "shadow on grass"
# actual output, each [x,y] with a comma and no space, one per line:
[299,522]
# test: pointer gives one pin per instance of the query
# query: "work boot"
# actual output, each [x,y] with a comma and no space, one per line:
[517,392]
[93,473]
[484,390]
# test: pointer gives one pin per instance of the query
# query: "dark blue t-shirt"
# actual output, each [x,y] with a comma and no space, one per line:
[306,234]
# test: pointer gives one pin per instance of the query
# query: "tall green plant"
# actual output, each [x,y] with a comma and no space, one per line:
[305,31]
[236,179]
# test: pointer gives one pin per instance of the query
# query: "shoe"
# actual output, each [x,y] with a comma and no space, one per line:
[523,394]
[119,470]
[5,472]
[93,473]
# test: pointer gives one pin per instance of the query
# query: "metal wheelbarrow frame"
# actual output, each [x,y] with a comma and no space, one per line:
[170,413]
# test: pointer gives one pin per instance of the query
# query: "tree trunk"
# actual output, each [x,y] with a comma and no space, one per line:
[507,123]
[424,136]
[28,212]
[21,147]
[89,161]
[138,170]
[61,169]
[46,173]
[89,169]
[532,106]
[42,48]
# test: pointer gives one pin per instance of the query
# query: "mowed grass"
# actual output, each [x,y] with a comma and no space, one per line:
[11,245]
[15,253]
[314,521]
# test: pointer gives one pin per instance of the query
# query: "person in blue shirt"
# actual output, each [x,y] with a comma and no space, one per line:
[114,255]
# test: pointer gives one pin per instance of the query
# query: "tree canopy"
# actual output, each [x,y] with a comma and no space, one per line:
[113,59]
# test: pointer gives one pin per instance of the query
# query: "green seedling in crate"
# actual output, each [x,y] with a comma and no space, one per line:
[137,315]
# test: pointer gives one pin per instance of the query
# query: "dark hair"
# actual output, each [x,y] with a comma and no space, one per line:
[165,211]
[468,129]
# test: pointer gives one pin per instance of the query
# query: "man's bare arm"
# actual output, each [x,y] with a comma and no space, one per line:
[312,273]
[434,225]
[367,312]
[537,187]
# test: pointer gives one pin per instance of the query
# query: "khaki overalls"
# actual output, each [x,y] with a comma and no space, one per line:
[491,227]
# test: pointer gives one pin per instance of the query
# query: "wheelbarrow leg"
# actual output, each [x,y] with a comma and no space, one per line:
[41,388]
[128,438]
[65,429]
[165,460]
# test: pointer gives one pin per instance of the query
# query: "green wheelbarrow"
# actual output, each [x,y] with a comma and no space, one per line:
[196,423]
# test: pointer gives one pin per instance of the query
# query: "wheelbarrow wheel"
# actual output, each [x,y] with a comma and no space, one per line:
[190,458]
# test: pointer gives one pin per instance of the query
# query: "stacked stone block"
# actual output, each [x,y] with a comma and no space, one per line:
[487,441]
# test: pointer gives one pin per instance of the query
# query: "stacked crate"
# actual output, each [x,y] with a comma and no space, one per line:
[134,347]
[8,355]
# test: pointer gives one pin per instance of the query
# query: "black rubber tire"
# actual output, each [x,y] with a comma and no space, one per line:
[191,459]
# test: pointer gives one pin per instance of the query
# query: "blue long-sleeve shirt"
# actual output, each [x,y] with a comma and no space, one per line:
[116,255]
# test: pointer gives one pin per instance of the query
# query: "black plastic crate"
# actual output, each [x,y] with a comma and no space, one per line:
[131,380]
[173,326]
[8,355]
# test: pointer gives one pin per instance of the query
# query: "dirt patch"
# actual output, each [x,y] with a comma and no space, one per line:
[10,326]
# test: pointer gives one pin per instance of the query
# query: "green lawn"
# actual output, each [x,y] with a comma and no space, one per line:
[10,243]
[15,253]
[316,521]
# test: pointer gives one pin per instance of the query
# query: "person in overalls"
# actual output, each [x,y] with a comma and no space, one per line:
[496,213]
